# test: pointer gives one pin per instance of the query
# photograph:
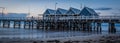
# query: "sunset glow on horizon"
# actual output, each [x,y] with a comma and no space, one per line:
[35,7]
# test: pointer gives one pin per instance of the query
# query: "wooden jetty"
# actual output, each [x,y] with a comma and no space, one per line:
[83,23]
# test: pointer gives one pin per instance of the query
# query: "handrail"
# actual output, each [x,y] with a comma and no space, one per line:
[59,18]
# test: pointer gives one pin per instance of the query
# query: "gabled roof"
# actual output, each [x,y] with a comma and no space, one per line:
[61,11]
[88,12]
[73,11]
[49,11]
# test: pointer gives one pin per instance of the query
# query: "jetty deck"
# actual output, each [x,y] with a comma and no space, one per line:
[83,23]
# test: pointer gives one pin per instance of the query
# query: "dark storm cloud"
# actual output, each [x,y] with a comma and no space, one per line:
[116,13]
[103,8]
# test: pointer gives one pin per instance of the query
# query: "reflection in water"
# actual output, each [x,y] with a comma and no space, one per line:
[34,33]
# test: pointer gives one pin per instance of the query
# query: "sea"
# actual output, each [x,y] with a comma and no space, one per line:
[37,33]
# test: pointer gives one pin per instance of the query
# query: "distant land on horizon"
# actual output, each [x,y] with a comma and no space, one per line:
[26,15]
[14,15]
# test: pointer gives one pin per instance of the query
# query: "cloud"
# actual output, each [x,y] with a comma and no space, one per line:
[116,13]
[103,8]
[118,9]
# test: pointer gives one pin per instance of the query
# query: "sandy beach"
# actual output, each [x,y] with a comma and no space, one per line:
[98,38]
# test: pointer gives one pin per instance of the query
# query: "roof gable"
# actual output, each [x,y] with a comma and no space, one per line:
[73,11]
[58,12]
[76,11]
[61,11]
[91,11]
[88,12]
[49,11]
[46,12]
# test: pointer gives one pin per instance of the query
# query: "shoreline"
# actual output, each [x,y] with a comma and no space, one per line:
[96,38]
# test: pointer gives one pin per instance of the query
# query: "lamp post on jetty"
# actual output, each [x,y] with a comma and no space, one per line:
[55,15]
[3,8]
[55,9]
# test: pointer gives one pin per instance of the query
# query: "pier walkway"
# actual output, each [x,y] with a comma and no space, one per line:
[84,23]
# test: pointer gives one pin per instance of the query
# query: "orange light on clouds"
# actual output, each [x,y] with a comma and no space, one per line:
[5,11]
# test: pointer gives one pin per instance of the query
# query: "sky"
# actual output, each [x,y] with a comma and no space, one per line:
[35,7]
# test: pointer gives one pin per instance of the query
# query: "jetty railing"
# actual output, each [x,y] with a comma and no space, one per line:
[60,18]
[90,17]
[21,18]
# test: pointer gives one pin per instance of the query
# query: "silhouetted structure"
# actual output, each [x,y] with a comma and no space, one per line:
[73,19]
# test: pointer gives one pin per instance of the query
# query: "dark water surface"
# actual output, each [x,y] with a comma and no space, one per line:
[34,33]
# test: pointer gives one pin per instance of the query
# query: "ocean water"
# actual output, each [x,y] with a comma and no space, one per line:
[35,34]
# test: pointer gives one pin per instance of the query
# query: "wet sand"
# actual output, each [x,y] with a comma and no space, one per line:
[97,38]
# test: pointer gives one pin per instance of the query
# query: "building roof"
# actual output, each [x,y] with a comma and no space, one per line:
[49,11]
[84,12]
[61,11]
[88,12]
[73,11]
